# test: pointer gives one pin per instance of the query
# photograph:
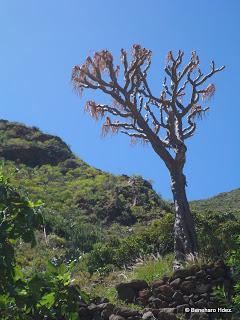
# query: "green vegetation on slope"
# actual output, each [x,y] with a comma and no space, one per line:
[83,206]
[224,202]
[103,221]
[71,189]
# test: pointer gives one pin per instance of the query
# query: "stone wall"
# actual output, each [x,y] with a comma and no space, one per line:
[168,298]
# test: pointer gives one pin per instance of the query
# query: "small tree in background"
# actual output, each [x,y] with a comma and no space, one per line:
[165,120]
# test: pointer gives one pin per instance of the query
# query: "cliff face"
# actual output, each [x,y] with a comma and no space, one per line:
[30,146]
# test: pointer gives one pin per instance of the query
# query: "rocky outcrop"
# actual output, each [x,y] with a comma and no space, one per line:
[30,146]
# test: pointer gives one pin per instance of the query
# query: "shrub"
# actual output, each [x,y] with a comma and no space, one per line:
[156,238]
[216,234]
[18,219]
[234,261]
[48,294]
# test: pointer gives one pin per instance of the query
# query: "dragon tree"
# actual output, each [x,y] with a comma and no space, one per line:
[164,120]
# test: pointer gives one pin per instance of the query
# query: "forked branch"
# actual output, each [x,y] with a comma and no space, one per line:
[159,119]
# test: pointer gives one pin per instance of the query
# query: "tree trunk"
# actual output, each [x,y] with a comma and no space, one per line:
[185,240]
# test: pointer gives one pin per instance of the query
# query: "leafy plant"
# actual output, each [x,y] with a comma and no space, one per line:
[116,253]
[234,261]
[47,294]
[217,234]
[18,219]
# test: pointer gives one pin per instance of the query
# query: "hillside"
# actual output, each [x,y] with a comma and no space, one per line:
[224,202]
[116,218]
[80,202]
[74,188]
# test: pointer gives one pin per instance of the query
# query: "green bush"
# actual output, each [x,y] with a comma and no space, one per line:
[156,238]
[18,219]
[47,294]
[216,234]
[234,262]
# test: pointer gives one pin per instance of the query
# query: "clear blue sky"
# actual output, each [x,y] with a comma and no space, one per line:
[42,40]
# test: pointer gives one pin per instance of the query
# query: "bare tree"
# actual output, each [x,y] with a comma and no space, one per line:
[165,120]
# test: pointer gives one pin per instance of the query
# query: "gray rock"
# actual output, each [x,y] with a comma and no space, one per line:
[182,273]
[105,314]
[126,293]
[196,297]
[157,283]
[187,287]
[181,308]
[201,274]
[168,310]
[158,303]
[190,278]
[138,284]
[201,303]
[92,306]
[175,283]
[154,311]
[199,316]
[164,298]
[173,304]
[166,290]
[85,313]
[167,314]
[144,295]
[116,317]
[178,297]
[99,307]
[191,303]
[124,312]
[148,316]
[129,291]
[203,288]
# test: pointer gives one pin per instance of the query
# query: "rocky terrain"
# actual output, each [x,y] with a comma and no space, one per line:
[30,146]
[168,298]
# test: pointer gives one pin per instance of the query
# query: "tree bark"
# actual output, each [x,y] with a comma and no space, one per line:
[185,239]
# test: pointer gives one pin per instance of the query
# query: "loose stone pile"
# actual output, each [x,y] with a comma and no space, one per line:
[167,298]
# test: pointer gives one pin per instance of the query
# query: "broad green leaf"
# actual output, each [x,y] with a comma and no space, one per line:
[18,273]
[73,316]
[47,300]
[51,267]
